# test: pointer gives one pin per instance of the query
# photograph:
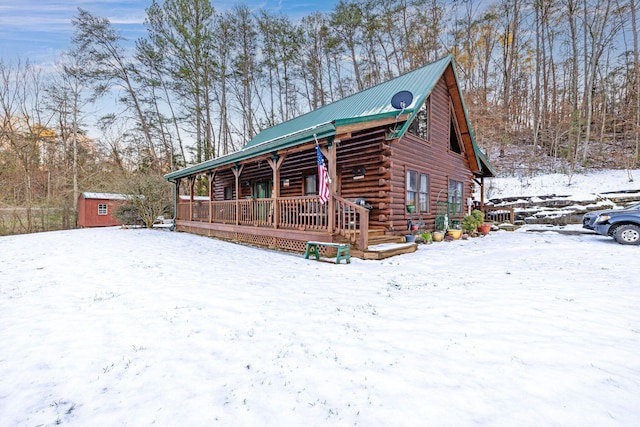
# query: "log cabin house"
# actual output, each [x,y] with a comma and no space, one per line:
[380,158]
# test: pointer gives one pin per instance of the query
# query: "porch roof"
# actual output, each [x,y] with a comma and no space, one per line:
[368,105]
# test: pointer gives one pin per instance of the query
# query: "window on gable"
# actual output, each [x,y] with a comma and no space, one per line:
[418,190]
[420,124]
[102,209]
[454,142]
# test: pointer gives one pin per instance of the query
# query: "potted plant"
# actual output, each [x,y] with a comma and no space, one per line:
[427,237]
[484,228]
[440,225]
[473,221]
[456,233]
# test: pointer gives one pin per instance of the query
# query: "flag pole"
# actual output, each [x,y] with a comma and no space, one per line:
[326,182]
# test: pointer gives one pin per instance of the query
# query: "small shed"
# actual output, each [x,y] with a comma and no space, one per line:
[97,209]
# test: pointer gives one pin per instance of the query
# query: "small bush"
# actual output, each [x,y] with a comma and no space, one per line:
[471,221]
[128,214]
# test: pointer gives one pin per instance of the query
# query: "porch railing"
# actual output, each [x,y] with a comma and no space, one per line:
[300,213]
[224,212]
[351,221]
[303,213]
[499,214]
[256,212]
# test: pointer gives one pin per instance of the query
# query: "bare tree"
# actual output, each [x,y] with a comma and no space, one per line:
[100,46]
[599,32]
[24,128]
[183,31]
[246,63]
[346,20]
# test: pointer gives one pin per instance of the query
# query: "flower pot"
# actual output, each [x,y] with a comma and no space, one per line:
[411,208]
[455,233]
[410,238]
[484,228]
[438,236]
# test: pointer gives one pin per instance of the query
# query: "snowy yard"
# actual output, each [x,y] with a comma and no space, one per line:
[111,327]
[141,327]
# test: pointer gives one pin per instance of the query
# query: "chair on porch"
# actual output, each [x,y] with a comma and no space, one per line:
[362,202]
[351,213]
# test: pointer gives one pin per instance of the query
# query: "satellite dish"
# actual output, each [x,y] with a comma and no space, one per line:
[401,100]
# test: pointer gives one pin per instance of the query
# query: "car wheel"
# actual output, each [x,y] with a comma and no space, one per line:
[628,234]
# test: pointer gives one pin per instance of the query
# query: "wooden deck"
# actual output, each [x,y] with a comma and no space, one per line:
[277,222]
[288,223]
[295,240]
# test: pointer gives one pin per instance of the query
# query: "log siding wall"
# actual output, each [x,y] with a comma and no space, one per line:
[432,157]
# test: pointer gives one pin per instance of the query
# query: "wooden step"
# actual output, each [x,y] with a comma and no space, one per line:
[382,251]
[381,245]
[379,240]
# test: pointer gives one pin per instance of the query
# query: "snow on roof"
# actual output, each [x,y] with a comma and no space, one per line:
[186,197]
[108,196]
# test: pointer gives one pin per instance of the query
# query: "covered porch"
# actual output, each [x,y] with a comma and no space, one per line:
[281,222]
[267,194]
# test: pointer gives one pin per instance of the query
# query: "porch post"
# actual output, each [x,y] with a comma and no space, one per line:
[192,181]
[275,162]
[237,170]
[330,154]
[176,199]
[212,176]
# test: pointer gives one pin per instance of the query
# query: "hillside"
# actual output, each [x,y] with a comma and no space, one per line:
[542,189]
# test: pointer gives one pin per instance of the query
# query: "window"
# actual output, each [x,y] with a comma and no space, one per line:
[311,185]
[420,124]
[102,209]
[454,142]
[424,193]
[228,192]
[455,198]
[412,188]
[418,191]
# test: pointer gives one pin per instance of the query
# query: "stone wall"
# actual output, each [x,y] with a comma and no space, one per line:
[564,209]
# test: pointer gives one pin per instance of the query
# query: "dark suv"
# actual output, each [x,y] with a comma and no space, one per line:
[621,224]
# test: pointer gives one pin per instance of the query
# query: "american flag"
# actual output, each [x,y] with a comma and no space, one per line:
[323,178]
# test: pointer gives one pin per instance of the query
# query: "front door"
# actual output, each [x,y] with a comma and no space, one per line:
[262,190]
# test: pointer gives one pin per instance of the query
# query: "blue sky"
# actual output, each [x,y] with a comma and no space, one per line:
[40,29]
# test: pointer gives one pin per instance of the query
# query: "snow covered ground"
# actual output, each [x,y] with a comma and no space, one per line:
[138,327]
[580,186]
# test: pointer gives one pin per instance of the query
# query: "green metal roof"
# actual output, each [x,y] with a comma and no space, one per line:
[370,104]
